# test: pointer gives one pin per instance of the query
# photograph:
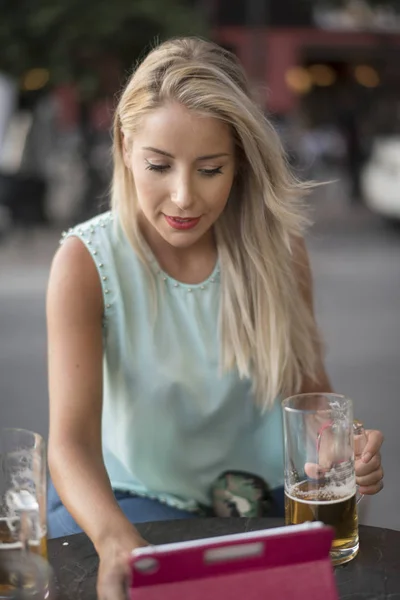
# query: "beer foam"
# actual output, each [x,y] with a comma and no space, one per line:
[10,545]
[330,494]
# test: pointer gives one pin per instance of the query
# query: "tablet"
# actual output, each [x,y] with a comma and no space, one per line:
[285,562]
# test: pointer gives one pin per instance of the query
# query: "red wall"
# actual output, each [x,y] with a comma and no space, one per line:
[283,50]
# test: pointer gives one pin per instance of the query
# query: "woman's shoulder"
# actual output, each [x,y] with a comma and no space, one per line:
[83,264]
[98,251]
[74,286]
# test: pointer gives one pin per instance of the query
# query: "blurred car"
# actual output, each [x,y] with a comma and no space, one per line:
[380,178]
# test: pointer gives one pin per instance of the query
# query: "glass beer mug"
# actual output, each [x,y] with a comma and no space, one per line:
[320,482]
[22,497]
[28,576]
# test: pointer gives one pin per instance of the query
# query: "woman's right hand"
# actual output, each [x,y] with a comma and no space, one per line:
[114,574]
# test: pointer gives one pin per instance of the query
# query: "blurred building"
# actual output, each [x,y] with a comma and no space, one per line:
[317,58]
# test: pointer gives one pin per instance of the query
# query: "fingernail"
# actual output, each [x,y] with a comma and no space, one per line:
[366,457]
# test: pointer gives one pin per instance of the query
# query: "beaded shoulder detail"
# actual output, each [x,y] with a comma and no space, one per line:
[95,234]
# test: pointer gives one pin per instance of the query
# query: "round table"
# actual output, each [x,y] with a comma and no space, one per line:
[373,575]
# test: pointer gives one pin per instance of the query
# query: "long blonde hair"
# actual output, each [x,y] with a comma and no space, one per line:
[267,329]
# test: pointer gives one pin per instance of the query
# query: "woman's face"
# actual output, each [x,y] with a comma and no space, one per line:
[183,167]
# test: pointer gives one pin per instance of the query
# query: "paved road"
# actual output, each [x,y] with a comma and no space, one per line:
[356,264]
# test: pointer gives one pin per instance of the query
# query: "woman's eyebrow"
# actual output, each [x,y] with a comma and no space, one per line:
[206,157]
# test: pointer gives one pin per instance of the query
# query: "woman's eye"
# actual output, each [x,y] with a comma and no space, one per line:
[163,168]
[158,168]
[211,172]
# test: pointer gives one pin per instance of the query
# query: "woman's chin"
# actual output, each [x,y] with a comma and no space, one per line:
[181,239]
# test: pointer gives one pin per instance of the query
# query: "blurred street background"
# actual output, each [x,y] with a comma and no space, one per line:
[326,73]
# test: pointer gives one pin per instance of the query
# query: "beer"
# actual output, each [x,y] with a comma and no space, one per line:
[333,505]
[10,545]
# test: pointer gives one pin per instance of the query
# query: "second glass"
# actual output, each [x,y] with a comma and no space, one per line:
[22,495]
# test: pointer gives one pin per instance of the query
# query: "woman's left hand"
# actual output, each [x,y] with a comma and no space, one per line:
[368,467]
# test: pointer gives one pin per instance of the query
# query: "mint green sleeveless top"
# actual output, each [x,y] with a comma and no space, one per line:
[171,422]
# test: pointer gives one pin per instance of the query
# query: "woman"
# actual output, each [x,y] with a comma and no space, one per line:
[179,320]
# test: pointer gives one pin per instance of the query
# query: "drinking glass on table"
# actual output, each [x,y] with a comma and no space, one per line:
[29,576]
[320,482]
[22,495]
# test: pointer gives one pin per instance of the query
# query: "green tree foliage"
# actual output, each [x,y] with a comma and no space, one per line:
[64,35]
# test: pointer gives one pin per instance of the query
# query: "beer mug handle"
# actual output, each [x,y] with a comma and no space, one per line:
[360,441]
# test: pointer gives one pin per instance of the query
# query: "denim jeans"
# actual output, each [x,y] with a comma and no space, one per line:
[135,508]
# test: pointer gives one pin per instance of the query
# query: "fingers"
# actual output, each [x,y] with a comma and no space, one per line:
[368,476]
[314,471]
[369,472]
[368,469]
[371,479]
[373,445]
[362,469]
[371,489]
[360,441]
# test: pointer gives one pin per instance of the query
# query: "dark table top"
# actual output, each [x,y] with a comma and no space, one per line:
[373,575]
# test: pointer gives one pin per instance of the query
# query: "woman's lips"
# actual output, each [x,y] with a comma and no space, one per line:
[180,223]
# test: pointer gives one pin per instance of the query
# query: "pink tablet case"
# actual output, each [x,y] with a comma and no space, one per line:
[292,566]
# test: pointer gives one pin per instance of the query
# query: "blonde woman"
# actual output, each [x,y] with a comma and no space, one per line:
[178,320]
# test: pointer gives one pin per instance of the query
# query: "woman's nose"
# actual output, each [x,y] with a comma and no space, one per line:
[183,196]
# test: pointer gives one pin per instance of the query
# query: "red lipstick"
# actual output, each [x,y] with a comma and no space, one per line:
[181,223]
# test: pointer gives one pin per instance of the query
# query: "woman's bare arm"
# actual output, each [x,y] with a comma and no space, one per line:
[75,351]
